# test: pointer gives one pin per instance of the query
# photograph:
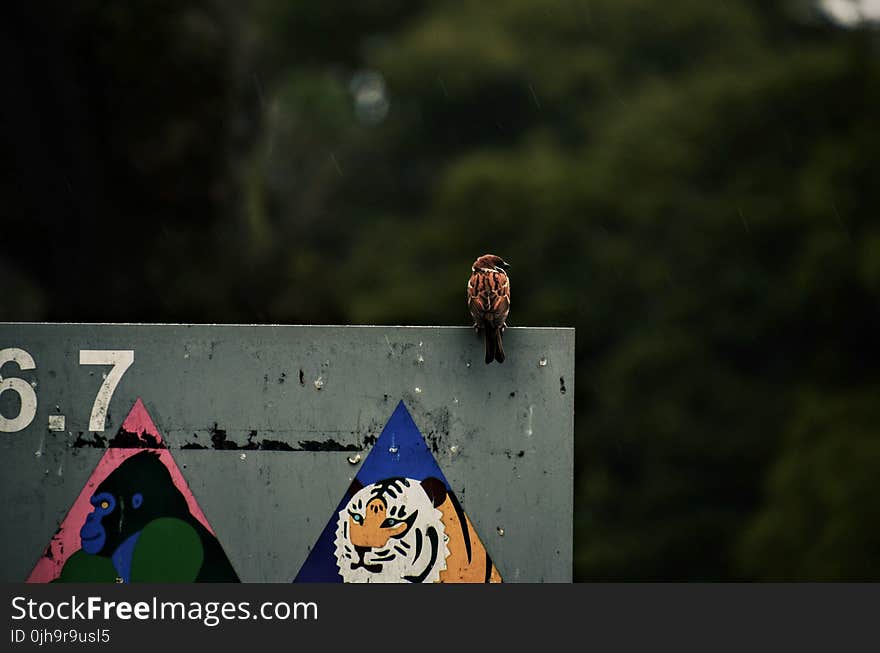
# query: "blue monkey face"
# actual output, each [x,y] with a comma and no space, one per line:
[93,533]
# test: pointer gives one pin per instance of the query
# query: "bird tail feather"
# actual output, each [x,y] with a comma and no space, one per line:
[494,348]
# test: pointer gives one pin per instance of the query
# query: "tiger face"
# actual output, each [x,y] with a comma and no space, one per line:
[391,532]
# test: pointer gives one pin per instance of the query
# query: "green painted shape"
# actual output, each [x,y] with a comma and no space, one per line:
[82,567]
[168,551]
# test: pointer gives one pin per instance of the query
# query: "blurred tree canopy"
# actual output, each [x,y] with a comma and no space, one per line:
[693,185]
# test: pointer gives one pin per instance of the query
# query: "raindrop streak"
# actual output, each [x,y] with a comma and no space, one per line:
[336,163]
[841,223]
[743,220]
[534,97]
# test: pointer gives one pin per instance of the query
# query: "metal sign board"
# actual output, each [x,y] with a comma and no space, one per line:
[264,428]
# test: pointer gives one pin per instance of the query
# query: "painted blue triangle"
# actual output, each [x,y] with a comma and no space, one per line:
[399,451]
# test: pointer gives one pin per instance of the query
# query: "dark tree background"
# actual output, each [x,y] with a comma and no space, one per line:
[693,185]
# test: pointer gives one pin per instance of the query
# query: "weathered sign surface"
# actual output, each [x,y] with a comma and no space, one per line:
[284,453]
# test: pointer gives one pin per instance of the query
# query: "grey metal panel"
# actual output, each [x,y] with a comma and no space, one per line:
[502,434]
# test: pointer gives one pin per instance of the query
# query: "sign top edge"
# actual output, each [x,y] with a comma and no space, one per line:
[273,325]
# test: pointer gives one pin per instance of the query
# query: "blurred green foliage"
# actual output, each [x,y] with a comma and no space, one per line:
[693,185]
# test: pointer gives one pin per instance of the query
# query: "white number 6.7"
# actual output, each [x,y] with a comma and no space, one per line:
[121,360]
[24,390]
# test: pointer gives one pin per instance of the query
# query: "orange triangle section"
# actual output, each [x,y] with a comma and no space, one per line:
[136,462]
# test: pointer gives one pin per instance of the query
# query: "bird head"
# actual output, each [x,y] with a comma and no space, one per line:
[490,262]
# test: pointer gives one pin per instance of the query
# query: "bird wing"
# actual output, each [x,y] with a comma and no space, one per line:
[489,297]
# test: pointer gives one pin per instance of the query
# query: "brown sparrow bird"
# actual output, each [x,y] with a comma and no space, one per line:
[489,302]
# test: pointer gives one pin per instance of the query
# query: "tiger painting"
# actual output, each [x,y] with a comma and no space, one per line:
[400,530]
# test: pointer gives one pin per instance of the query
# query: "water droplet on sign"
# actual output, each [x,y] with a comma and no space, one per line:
[393,448]
[242,456]
[500,531]
[542,362]
[418,390]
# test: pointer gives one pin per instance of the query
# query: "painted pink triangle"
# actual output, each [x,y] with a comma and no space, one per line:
[140,423]
[66,539]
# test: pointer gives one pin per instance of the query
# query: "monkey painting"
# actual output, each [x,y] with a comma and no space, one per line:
[141,530]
